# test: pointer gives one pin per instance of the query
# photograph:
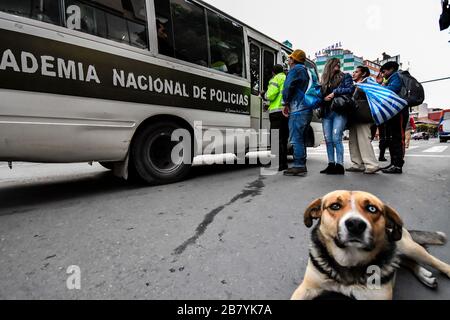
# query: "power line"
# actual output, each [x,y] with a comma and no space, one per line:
[435,80]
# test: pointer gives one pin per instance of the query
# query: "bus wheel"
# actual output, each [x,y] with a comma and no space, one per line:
[151,155]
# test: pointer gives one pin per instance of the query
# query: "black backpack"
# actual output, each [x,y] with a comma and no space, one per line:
[412,90]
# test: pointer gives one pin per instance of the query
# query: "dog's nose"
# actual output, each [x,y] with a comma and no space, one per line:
[356,227]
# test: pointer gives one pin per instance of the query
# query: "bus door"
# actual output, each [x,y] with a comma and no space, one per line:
[262,60]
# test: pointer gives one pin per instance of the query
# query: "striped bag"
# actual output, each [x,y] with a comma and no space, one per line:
[384,103]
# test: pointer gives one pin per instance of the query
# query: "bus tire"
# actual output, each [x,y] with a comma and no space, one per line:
[151,155]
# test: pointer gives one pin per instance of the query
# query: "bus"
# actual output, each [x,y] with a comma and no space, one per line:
[110,81]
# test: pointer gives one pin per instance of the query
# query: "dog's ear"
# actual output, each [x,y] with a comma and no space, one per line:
[313,212]
[394,222]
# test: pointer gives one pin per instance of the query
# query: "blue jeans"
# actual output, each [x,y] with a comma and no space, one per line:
[333,129]
[298,123]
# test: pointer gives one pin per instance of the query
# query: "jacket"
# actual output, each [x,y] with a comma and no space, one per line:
[295,87]
[394,83]
[346,86]
[275,93]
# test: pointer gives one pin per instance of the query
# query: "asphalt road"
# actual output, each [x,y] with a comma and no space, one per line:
[225,233]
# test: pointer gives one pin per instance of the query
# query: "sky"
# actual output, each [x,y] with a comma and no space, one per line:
[366,27]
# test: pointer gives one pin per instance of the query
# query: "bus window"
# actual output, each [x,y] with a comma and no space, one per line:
[117,28]
[226,41]
[189,25]
[42,10]
[121,21]
[269,62]
[164,28]
[255,63]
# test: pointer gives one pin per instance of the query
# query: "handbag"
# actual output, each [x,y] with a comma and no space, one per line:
[362,113]
[343,105]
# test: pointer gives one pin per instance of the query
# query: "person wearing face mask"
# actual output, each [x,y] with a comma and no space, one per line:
[361,150]
[334,83]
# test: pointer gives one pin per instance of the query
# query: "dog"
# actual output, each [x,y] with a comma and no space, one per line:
[358,236]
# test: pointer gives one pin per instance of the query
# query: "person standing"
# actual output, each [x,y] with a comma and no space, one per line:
[334,83]
[300,116]
[385,141]
[410,127]
[397,125]
[361,150]
[278,121]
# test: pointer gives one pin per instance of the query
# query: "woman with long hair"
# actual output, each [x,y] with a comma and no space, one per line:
[334,83]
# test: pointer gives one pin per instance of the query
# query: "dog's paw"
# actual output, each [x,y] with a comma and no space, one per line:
[427,278]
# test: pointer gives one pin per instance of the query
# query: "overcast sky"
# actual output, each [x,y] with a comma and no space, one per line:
[367,27]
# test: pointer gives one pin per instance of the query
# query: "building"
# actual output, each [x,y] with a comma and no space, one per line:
[373,67]
[425,115]
[349,61]
[387,58]
[288,44]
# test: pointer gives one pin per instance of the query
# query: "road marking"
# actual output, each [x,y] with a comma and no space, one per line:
[436,149]
[407,155]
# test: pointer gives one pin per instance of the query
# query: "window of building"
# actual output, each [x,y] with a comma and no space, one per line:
[122,21]
[226,40]
[42,10]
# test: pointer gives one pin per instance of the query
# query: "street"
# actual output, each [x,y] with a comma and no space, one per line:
[225,233]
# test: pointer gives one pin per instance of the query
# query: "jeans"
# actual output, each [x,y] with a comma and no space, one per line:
[298,124]
[333,129]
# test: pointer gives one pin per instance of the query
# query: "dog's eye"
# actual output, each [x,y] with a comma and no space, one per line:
[372,209]
[335,207]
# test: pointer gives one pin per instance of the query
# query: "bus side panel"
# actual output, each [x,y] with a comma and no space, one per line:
[54,128]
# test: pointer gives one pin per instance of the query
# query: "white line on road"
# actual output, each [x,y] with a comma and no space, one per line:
[436,149]
[407,155]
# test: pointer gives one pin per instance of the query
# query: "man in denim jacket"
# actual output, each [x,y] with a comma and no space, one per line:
[300,116]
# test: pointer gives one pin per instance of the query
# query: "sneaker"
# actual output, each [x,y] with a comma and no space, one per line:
[295,172]
[393,170]
[329,169]
[283,168]
[338,170]
[382,159]
[354,169]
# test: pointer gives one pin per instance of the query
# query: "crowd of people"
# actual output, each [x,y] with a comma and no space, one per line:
[292,117]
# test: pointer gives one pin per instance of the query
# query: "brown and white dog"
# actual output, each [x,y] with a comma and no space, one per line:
[357,231]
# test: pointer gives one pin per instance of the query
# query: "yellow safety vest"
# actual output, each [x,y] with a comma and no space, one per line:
[275,93]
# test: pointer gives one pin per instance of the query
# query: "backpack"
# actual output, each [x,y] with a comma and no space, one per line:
[313,94]
[412,91]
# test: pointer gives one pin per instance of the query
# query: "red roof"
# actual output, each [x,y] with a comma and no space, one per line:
[435,116]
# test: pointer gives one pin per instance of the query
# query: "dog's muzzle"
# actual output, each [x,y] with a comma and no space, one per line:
[354,232]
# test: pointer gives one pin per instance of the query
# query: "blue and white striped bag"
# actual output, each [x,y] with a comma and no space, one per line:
[384,103]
